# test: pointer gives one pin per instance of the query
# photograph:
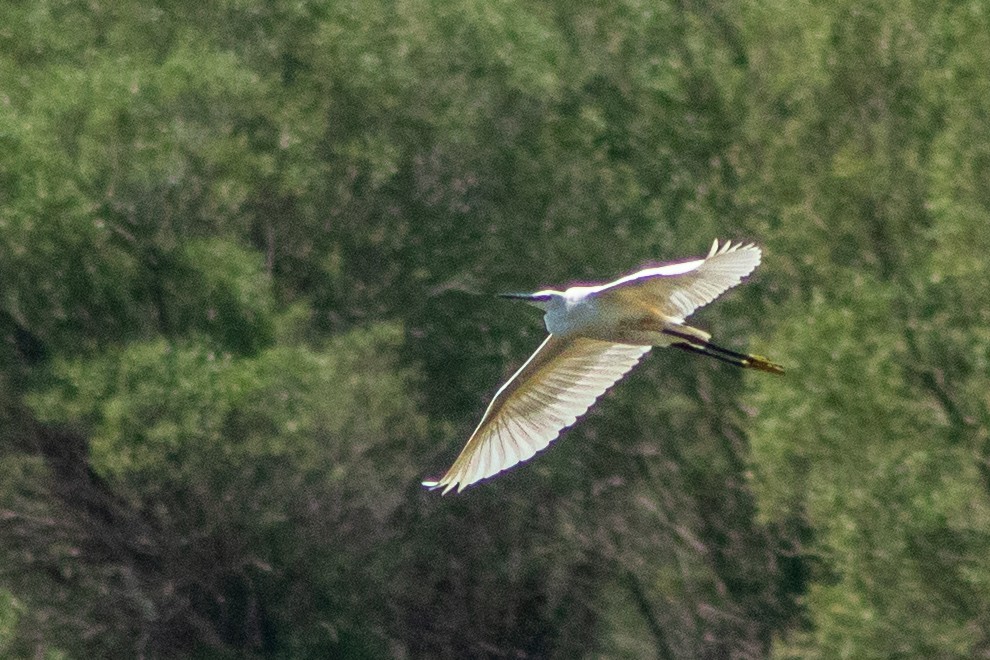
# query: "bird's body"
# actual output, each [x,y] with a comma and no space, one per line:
[597,334]
[588,311]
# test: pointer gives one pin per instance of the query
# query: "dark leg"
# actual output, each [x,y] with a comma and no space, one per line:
[701,350]
[702,347]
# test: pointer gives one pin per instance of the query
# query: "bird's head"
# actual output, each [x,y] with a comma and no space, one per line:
[541,299]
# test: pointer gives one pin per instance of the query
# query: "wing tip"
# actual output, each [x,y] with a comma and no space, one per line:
[446,485]
[730,246]
[750,252]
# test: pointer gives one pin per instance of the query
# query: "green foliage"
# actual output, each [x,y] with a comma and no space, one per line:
[234,465]
[158,402]
[11,612]
[107,173]
[219,290]
[245,256]
[853,447]
[9,615]
[874,451]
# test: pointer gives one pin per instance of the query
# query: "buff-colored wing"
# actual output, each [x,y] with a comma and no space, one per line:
[677,290]
[550,391]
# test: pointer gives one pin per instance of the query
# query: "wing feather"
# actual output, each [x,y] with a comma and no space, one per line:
[677,290]
[547,394]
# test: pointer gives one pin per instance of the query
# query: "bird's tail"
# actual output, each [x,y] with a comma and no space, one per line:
[695,344]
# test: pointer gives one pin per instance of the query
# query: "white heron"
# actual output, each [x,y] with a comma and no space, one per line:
[597,334]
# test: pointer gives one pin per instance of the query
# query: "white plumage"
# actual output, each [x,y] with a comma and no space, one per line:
[597,334]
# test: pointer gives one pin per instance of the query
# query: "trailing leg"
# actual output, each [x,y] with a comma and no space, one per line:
[694,344]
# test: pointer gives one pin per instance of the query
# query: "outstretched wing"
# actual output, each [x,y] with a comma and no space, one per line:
[677,290]
[550,391]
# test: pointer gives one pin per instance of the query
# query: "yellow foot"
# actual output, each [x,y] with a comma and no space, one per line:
[763,364]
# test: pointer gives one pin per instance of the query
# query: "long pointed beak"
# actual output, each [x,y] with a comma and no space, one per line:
[528,297]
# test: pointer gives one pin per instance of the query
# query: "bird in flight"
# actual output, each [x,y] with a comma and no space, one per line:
[597,334]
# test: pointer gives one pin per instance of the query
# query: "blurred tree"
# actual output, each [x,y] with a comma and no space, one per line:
[245,256]
[222,504]
[875,449]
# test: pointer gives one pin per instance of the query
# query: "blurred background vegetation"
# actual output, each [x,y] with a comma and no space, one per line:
[246,256]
